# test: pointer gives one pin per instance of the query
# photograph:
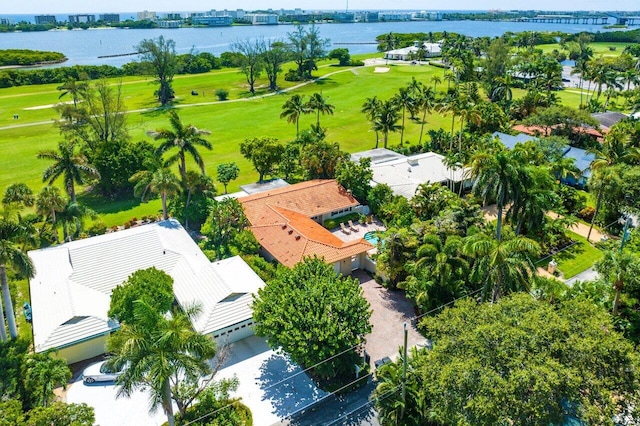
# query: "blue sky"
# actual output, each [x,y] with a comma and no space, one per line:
[84,6]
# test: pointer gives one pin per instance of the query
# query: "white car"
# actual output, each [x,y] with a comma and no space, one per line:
[99,372]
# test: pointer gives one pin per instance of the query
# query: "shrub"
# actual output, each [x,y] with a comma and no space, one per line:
[334,222]
[97,228]
[356,63]
[587,213]
[222,94]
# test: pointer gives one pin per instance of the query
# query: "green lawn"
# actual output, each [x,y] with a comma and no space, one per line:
[579,257]
[230,122]
[599,48]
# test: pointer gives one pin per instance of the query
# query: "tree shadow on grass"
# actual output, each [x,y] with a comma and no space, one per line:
[287,394]
[104,205]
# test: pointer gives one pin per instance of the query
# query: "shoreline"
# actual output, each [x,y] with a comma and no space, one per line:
[37,65]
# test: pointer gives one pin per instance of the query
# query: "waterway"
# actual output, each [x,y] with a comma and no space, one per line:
[85,46]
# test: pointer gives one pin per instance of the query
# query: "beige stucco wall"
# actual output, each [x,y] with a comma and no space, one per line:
[85,350]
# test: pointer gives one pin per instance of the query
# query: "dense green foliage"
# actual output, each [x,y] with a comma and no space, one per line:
[314,314]
[28,57]
[519,361]
[152,286]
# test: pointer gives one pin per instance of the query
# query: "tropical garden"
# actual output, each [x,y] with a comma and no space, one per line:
[130,150]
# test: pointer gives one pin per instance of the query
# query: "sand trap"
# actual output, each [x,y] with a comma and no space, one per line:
[381,69]
[46,106]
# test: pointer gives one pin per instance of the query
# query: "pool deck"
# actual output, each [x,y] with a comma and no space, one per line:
[361,229]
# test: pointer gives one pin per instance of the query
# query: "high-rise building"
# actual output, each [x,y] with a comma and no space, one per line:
[112,18]
[45,19]
[81,19]
[145,15]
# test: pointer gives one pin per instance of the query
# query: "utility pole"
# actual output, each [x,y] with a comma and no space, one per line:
[404,371]
[625,230]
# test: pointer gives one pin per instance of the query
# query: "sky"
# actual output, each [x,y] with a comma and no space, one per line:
[85,6]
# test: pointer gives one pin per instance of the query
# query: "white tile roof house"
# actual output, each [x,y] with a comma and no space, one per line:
[71,290]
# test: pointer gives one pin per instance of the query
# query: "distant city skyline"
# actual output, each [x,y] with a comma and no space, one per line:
[82,6]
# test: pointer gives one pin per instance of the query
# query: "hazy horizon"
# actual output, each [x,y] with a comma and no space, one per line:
[126,6]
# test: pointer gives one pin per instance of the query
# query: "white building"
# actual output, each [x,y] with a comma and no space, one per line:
[409,53]
[261,18]
[145,15]
[71,290]
[404,174]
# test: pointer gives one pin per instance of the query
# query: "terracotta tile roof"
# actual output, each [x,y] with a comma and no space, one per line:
[280,221]
[296,236]
[538,130]
[309,198]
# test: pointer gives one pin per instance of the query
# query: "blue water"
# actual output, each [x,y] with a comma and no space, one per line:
[84,46]
[372,237]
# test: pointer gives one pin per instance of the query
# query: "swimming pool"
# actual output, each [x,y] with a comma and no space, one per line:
[372,237]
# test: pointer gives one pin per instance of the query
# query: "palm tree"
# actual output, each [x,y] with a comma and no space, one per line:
[438,274]
[425,101]
[501,266]
[371,107]
[160,351]
[404,99]
[615,149]
[501,89]
[44,373]
[71,166]
[74,88]
[72,218]
[435,80]
[619,268]
[387,119]
[12,236]
[184,138]
[318,103]
[292,109]
[48,202]
[165,183]
[495,176]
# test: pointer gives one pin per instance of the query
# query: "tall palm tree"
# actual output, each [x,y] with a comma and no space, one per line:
[501,266]
[292,109]
[186,139]
[495,176]
[71,166]
[425,101]
[435,80]
[12,237]
[164,183]
[48,202]
[319,104]
[371,107]
[160,350]
[387,119]
[619,268]
[405,100]
[501,89]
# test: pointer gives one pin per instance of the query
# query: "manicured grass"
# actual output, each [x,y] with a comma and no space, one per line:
[599,48]
[577,258]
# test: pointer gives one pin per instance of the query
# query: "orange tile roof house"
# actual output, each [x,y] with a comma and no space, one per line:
[288,224]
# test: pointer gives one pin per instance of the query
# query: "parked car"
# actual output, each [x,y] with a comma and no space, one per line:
[99,372]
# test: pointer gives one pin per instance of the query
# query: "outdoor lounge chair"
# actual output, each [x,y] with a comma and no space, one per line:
[344,228]
[352,226]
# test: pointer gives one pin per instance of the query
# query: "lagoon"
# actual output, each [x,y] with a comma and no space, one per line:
[83,47]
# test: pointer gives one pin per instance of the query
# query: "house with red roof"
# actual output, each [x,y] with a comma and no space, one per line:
[287,222]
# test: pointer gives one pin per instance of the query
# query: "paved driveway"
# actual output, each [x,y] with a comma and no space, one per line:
[268,384]
[111,411]
[390,310]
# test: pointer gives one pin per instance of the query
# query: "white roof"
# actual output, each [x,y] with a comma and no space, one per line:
[71,290]
[404,175]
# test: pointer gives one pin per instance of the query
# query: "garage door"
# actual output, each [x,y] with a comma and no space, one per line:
[234,333]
